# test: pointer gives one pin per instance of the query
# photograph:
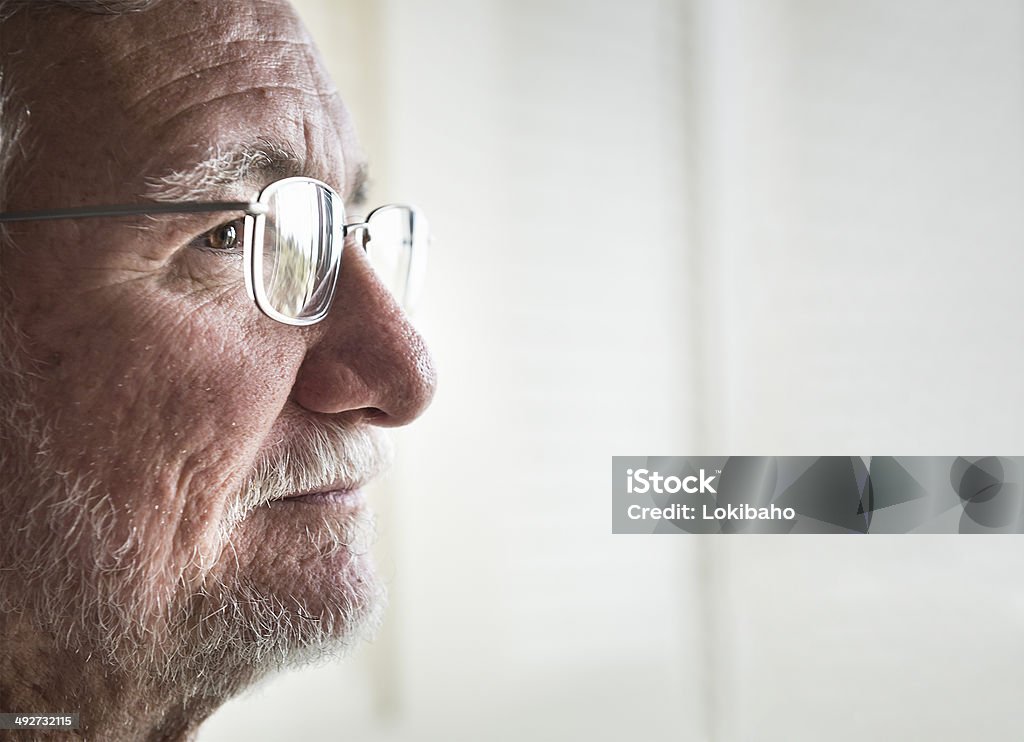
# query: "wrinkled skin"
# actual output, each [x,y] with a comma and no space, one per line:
[162,381]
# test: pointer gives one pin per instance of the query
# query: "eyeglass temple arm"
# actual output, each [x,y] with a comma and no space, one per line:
[84,212]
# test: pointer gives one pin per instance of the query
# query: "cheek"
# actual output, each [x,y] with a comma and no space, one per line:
[163,407]
[215,412]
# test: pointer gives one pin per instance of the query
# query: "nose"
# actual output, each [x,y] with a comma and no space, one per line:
[364,355]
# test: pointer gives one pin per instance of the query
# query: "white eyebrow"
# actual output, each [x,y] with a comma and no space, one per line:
[223,167]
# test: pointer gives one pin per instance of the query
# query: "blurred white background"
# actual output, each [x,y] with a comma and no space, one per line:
[686,228]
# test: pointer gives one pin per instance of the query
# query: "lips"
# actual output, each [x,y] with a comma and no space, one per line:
[338,496]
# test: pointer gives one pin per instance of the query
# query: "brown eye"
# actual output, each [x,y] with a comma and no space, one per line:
[224,237]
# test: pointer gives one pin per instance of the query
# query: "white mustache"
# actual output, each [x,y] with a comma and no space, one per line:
[327,456]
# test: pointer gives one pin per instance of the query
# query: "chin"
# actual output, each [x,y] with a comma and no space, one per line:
[288,589]
[312,600]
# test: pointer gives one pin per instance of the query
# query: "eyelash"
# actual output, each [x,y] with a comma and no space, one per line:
[206,240]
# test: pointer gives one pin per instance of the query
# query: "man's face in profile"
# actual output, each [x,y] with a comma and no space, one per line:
[182,473]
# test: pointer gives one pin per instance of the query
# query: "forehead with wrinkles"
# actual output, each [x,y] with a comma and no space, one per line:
[117,99]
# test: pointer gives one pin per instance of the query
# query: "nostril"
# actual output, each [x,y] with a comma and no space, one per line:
[374,414]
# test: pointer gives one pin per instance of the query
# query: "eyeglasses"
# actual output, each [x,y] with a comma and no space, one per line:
[292,242]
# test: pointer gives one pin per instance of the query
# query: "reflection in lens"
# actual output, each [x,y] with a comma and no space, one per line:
[299,258]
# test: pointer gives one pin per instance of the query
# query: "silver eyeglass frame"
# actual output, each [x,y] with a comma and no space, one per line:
[255,224]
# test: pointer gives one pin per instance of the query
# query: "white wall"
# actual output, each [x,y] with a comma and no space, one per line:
[713,226]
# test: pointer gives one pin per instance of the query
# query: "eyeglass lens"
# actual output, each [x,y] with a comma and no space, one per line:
[395,245]
[301,249]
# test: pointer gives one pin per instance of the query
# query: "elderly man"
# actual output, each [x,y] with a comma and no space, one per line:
[194,376]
